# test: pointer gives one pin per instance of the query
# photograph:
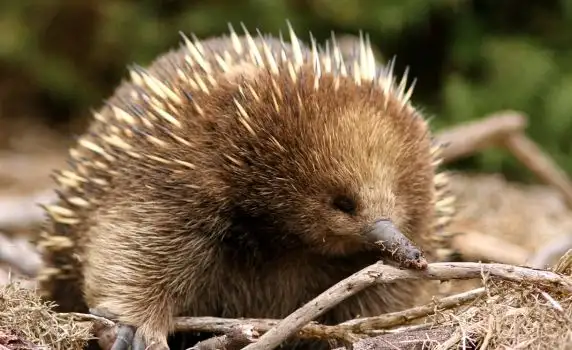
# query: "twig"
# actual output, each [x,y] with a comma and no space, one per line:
[449,343]
[564,264]
[97,320]
[360,325]
[505,129]
[380,273]
[547,253]
[224,325]
[414,339]
[346,331]
[235,339]
[396,318]
[21,255]
[23,211]
[475,246]
[405,329]
[525,150]
[489,334]
[466,139]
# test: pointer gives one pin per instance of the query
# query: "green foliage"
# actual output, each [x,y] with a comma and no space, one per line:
[470,57]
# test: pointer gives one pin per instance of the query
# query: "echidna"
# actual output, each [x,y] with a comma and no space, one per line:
[241,177]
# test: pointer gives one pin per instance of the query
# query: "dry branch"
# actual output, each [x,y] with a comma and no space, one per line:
[547,253]
[20,254]
[23,211]
[505,129]
[476,246]
[235,339]
[363,325]
[347,331]
[409,339]
[525,150]
[469,138]
[380,273]
[341,331]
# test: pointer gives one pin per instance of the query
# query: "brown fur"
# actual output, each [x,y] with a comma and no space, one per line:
[250,229]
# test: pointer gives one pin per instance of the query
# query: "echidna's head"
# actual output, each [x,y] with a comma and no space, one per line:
[326,168]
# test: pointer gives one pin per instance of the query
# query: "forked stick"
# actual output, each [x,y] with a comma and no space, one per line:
[466,139]
[525,150]
[380,273]
[505,129]
[344,331]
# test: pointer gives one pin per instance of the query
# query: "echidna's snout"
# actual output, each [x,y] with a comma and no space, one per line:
[386,235]
[382,230]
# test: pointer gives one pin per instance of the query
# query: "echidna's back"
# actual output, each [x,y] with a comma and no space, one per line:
[90,175]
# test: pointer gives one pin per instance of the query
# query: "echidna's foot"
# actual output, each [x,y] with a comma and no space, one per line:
[127,336]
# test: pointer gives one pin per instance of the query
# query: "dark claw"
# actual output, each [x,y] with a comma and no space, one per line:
[138,343]
[124,338]
[126,335]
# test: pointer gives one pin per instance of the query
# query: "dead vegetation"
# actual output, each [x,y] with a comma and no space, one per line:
[496,304]
[26,322]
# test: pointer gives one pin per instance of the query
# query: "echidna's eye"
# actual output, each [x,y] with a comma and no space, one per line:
[345,204]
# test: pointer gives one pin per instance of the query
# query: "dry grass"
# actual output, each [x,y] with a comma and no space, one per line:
[25,319]
[513,316]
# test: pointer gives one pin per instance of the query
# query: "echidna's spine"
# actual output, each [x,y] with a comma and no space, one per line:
[68,218]
[445,208]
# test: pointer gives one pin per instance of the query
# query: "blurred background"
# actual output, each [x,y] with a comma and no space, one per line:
[60,59]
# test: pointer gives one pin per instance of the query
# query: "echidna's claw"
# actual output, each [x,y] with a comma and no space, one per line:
[125,338]
[138,342]
[126,335]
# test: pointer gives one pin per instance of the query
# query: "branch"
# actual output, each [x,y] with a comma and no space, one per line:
[23,211]
[342,331]
[476,246]
[380,273]
[235,339]
[365,324]
[20,254]
[104,328]
[409,339]
[505,129]
[345,331]
[552,249]
[225,325]
[469,138]
[525,150]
